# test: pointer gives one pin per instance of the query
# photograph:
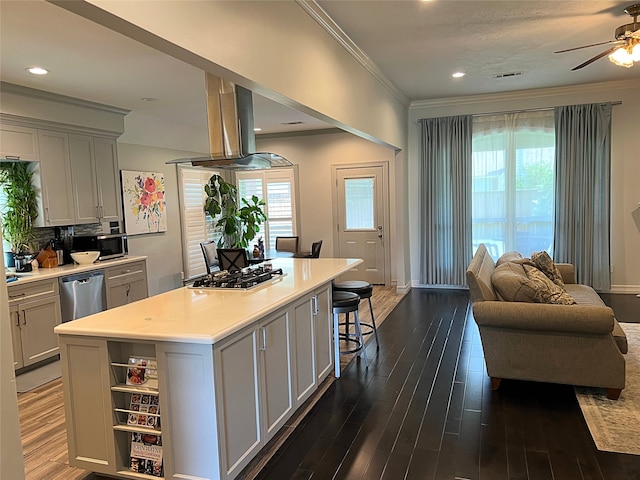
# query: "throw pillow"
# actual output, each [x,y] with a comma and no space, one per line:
[544,263]
[512,284]
[509,257]
[548,292]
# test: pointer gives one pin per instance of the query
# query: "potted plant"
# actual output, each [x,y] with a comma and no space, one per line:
[240,223]
[20,207]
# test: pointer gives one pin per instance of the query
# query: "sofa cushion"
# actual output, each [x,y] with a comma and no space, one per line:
[512,284]
[548,292]
[545,264]
[509,257]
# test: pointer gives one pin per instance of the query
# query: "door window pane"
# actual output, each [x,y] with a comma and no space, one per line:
[359,207]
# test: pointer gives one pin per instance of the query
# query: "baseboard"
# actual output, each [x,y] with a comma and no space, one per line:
[403,289]
[629,289]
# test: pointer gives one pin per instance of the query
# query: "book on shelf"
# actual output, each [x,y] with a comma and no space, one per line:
[146,454]
[142,372]
[143,410]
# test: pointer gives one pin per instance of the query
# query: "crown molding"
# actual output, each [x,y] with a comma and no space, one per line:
[526,94]
[55,97]
[323,19]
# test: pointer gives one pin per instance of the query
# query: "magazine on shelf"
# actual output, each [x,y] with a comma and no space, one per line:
[146,454]
[143,372]
[141,406]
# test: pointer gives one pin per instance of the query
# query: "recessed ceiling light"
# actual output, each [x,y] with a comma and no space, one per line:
[458,74]
[257,129]
[37,70]
[149,99]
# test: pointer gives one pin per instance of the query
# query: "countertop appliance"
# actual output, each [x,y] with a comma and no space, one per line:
[243,279]
[82,294]
[114,245]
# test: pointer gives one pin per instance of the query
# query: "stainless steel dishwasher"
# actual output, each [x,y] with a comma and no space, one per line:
[82,294]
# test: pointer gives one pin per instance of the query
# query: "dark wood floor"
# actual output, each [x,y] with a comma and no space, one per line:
[424,410]
[625,306]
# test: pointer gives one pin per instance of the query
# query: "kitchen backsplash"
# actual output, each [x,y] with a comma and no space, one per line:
[45,234]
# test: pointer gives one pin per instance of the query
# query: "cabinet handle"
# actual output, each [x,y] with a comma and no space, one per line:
[24,317]
[17,319]
[47,215]
[101,211]
[12,157]
[127,290]
[12,297]
[263,332]
[315,305]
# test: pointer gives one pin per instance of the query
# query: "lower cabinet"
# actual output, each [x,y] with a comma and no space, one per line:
[126,284]
[254,389]
[34,311]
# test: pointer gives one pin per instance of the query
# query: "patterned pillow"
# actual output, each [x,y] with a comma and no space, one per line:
[544,263]
[548,292]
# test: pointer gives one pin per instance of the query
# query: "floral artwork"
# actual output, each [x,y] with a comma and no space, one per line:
[144,202]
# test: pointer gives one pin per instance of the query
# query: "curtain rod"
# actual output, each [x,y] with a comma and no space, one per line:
[544,109]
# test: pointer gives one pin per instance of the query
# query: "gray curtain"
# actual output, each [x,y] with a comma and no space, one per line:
[583,184]
[445,190]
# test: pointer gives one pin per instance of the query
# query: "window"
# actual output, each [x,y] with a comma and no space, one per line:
[277,188]
[197,225]
[513,165]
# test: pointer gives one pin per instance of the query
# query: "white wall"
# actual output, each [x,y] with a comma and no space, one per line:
[164,265]
[625,163]
[315,154]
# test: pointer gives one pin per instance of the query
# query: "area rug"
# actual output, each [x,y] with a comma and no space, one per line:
[614,424]
[35,378]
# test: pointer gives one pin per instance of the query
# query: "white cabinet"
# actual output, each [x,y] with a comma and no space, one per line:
[254,388]
[55,175]
[19,143]
[313,341]
[34,311]
[126,284]
[94,164]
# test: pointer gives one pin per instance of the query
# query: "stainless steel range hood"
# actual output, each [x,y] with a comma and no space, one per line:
[232,143]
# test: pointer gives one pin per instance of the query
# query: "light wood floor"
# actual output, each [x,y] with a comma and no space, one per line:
[42,424]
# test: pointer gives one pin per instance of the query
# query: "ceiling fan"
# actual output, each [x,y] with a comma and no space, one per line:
[627,43]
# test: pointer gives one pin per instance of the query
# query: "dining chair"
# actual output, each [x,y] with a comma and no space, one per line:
[287,244]
[232,259]
[209,251]
[314,253]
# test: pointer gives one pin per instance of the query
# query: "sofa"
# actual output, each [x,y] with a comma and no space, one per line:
[575,340]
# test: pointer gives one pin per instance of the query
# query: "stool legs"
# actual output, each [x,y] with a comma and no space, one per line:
[373,322]
[359,339]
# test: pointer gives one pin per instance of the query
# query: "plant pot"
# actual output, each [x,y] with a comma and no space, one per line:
[9,261]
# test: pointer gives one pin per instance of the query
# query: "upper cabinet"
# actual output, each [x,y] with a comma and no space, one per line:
[18,143]
[55,179]
[94,174]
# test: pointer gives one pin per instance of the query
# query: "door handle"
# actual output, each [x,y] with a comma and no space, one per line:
[380,235]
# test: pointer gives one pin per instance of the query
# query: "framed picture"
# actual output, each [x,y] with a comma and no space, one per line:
[143,198]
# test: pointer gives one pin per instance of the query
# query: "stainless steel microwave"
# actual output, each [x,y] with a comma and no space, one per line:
[110,246]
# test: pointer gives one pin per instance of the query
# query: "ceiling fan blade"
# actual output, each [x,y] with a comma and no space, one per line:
[592,45]
[593,59]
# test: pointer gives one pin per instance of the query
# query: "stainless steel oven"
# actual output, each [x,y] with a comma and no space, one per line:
[110,246]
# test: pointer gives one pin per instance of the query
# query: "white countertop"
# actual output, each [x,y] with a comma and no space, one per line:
[69,269]
[208,316]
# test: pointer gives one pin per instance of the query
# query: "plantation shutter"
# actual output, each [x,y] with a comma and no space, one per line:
[197,226]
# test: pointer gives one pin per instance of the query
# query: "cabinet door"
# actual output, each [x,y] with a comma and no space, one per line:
[83,178]
[277,374]
[323,333]
[19,142]
[305,380]
[107,181]
[38,318]
[238,403]
[126,284]
[16,339]
[55,176]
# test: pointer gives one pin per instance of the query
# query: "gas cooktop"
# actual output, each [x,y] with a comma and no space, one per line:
[244,279]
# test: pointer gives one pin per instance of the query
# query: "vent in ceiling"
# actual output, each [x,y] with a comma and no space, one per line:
[508,75]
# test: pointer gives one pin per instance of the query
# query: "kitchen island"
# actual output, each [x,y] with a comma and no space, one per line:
[232,367]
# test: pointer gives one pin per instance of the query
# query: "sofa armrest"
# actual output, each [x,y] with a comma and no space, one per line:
[568,272]
[586,319]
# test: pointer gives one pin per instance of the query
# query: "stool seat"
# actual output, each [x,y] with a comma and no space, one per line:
[345,301]
[363,289]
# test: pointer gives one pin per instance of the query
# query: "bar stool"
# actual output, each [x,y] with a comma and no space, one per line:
[347,302]
[364,290]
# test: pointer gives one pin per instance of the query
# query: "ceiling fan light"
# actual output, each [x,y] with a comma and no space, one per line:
[635,52]
[622,57]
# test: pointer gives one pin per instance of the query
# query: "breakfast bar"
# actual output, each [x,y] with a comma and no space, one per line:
[233,365]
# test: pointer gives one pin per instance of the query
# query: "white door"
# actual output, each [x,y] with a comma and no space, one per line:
[362,224]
